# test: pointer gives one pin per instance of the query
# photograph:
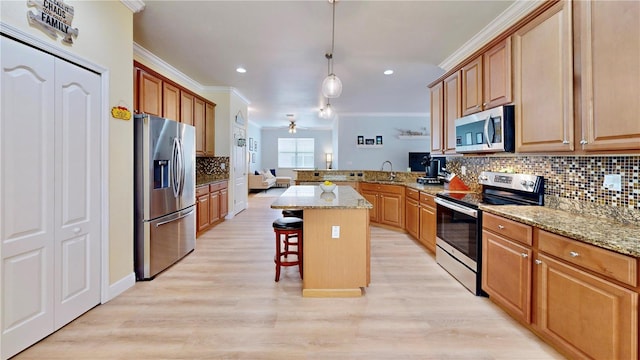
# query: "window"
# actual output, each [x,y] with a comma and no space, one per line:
[296,153]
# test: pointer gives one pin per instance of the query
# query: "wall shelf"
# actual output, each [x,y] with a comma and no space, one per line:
[413,137]
[369,146]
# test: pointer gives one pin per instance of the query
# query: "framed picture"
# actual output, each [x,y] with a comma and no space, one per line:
[369,142]
[255,145]
[250,144]
[360,140]
[253,158]
[379,140]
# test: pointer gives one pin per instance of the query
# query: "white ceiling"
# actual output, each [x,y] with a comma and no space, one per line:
[282,46]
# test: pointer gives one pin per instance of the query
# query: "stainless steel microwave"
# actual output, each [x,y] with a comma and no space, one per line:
[487,131]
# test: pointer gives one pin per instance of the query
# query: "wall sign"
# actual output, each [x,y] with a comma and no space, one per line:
[53,17]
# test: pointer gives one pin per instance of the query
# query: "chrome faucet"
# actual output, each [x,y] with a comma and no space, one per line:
[392,176]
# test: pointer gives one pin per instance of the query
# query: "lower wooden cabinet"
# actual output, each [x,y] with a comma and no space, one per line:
[211,205]
[420,218]
[427,234]
[584,315]
[580,298]
[507,274]
[388,203]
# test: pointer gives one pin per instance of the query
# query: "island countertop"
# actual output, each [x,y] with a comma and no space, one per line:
[312,197]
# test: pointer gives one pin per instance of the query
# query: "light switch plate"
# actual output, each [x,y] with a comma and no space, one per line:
[335,232]
[613,182]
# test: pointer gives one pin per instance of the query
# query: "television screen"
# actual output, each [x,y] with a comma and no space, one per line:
[415,158]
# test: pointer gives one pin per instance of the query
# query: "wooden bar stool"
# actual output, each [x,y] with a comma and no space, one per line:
[287,229]
[292,213]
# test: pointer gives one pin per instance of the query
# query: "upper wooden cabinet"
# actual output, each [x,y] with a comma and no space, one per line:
[149,93]
[486,81]
[496,65]
[610,74]
[209,128]
[186,107]
[472,87]
[452,110]
[437,118]
[170,101]
[543,82]
[157,95]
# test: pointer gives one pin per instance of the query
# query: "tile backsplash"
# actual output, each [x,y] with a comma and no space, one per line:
[218,166]
[577,178]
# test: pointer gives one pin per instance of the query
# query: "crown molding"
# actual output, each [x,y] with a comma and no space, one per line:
[150,57]
[385,114]
[502,22]
[134,5]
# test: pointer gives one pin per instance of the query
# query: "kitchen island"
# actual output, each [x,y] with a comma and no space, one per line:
[336,239]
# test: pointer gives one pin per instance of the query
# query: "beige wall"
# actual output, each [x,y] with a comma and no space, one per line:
[105,39]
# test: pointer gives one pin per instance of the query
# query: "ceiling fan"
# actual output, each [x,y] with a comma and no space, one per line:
[292,124]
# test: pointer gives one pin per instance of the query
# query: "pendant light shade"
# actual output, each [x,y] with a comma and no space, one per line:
[332,86]
[328,112]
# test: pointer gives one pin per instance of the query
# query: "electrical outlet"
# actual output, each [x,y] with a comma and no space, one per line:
[335,232]
[463,169]
[612,182]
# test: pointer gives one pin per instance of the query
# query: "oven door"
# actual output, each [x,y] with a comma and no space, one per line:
[458,232]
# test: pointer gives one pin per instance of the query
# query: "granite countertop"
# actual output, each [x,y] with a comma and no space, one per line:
[312,197]
[604,233]
[208,179]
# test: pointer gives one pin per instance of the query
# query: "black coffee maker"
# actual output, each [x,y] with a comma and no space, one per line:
[431,166]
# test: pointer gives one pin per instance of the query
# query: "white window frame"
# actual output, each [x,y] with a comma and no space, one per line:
[295,159]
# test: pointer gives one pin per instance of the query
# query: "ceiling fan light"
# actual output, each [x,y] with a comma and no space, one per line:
[332,86]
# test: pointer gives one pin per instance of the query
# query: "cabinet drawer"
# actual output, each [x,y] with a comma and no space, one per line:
[217,186]
[604,262]
[390,189]
[509,228]
[413,194]
[426,199]
[202,190]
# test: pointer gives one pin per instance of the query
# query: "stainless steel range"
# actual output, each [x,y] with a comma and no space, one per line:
[459,221]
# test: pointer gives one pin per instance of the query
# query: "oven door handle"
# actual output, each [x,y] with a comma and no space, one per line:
[456,207]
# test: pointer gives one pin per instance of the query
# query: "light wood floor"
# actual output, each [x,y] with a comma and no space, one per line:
[221,302]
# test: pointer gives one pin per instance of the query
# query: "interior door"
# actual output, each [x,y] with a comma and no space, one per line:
[50,209]
[240,168]
[26,196]
[77,194]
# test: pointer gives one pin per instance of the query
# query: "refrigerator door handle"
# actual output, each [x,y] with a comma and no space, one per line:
[182,167]
[172,220]
[175,170]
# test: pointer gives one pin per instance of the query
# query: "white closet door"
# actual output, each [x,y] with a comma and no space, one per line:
[240,168]
[77,199]
[26,195]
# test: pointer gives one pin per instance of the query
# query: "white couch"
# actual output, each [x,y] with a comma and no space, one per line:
[261,182]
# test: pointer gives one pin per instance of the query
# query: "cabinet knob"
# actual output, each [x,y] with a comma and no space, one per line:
[524,255]
[566,142]
[583,142]
[538,262]
[573,254]
[500,227]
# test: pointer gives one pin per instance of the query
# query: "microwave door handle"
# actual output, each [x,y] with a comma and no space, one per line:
[486,131]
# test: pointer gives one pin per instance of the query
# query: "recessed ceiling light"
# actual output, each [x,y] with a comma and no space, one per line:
[388,72]
[241,70]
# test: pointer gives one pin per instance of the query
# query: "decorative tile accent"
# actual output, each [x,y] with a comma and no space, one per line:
[577,178]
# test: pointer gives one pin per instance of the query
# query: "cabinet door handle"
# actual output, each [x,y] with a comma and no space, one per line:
[565,142]
[500,227]
[524,255]
[538,262]
[573,254]
[583,142]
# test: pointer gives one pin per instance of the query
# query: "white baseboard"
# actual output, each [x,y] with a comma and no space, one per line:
[119,287]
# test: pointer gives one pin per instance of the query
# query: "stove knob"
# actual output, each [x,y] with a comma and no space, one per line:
[530,183]
[526,183]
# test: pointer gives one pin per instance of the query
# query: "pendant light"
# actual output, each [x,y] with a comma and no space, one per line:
[332,86]
[328,111]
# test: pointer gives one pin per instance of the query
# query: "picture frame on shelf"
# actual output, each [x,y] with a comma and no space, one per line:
[379,140]
[369,142]
[360,140]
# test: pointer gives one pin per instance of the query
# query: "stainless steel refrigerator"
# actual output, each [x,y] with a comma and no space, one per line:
[164,193]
